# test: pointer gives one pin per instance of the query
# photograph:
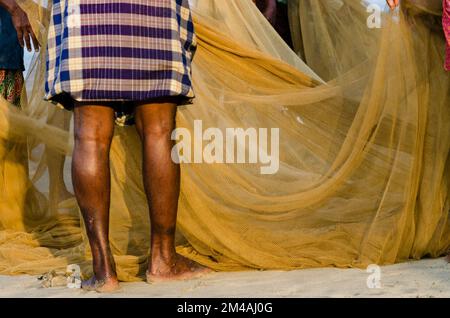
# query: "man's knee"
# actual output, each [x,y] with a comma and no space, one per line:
[94,137]
[159,126]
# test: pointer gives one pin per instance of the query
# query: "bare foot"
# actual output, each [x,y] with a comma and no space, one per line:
[179,268]
[447,258]
[107,285]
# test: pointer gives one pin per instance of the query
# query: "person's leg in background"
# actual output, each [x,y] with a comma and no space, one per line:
[268,8]
[276,12]
[155,123]
[282,22]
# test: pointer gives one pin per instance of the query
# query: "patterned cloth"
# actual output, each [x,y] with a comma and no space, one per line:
[446,24]
[120,50]
[11,84]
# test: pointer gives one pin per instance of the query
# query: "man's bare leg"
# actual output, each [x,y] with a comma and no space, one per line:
[94,127]
[155,124]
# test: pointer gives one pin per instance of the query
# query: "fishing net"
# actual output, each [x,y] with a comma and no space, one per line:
[364,136]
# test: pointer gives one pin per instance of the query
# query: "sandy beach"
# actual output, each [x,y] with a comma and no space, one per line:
[426,278]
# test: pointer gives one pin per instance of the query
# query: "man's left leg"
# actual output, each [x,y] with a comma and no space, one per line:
[155,124]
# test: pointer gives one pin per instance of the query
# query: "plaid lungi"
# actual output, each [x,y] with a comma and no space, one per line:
[120,50]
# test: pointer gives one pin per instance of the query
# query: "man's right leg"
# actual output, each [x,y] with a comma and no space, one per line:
[94,128]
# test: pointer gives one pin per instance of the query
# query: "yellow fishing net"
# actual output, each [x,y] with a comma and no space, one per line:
[364,131]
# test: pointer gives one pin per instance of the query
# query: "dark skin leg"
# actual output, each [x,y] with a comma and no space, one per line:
[94,128]
[155,124]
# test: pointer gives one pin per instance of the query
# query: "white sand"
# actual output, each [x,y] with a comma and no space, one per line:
[427,278]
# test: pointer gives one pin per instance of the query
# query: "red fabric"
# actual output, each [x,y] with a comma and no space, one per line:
[446,24]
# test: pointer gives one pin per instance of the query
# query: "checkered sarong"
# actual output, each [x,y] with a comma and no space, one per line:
[120,50]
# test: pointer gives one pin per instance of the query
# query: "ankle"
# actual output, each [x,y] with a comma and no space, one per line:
[108,275]
[105,269]
[165,255]
[163,245]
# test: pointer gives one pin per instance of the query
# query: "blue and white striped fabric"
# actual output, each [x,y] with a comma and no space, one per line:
[120,50]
